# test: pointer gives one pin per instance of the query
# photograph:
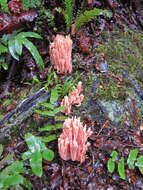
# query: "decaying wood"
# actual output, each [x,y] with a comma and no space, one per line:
[11,122]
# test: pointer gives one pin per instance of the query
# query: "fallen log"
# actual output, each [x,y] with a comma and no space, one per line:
[11,121]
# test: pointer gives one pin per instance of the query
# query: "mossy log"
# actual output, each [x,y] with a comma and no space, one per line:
[12,121]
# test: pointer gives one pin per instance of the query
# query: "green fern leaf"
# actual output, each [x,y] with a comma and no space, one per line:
[31,3]
[87,16]
[33,50]
[19,40]
[68,13]
[3,49]
[12,50]
[3,5]
[29,35]
[18,45]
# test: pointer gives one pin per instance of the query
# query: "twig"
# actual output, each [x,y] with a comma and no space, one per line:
[103,126]
[135,120]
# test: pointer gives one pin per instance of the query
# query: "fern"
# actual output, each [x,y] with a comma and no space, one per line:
[87,16]
[3,5]
[31,3]
[16,42]
[68,12]
[3,49]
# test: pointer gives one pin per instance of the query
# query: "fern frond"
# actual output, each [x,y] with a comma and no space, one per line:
[3,5]
[31,3]
[3,49]
[87,16]
[68,12]
[3,64]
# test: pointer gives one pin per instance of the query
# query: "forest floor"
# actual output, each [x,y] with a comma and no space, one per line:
[107,57]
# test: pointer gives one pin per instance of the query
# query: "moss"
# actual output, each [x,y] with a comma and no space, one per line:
[123,51]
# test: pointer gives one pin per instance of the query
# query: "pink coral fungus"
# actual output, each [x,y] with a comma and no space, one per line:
[65,102]
[74,98]
[72,143]
[60,54]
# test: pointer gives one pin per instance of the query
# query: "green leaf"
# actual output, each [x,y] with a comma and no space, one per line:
[33,50]
[114,155]
[50,74]
[54,96]
[1,149]
[4,7]
[45,113]
[139,162]
[7,102]
[31,3]
[29,35]
[49,138]
[36,163]
[27,184]
[51,127]
[3,49]
[47,105]
[111,165]
[11,47]
[4,66]
[48,155]
[86,17]
[33,142]
[12,180]
[18,45]
[131,158]
[35,80]
[121,168]
[68,12]
[26,155]
[107,13]
[59,109]
[17,167]
[56,78]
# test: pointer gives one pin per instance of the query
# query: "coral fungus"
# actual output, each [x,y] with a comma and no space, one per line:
[60,54]
[65,102]
[74,98]
[72,143]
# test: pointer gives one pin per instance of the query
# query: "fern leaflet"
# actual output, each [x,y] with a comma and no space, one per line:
[31,3]
[87,16]
[3,49]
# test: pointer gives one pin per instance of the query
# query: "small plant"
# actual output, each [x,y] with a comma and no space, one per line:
[11,176]
[132,158]
[111,161]
[132,162]
[121,168]
[49,109]
[3,51]
[87,16]
[68,12]
[3,6]
[83,17]
[15,44]
[111,164]
[37,151]
[31,3]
